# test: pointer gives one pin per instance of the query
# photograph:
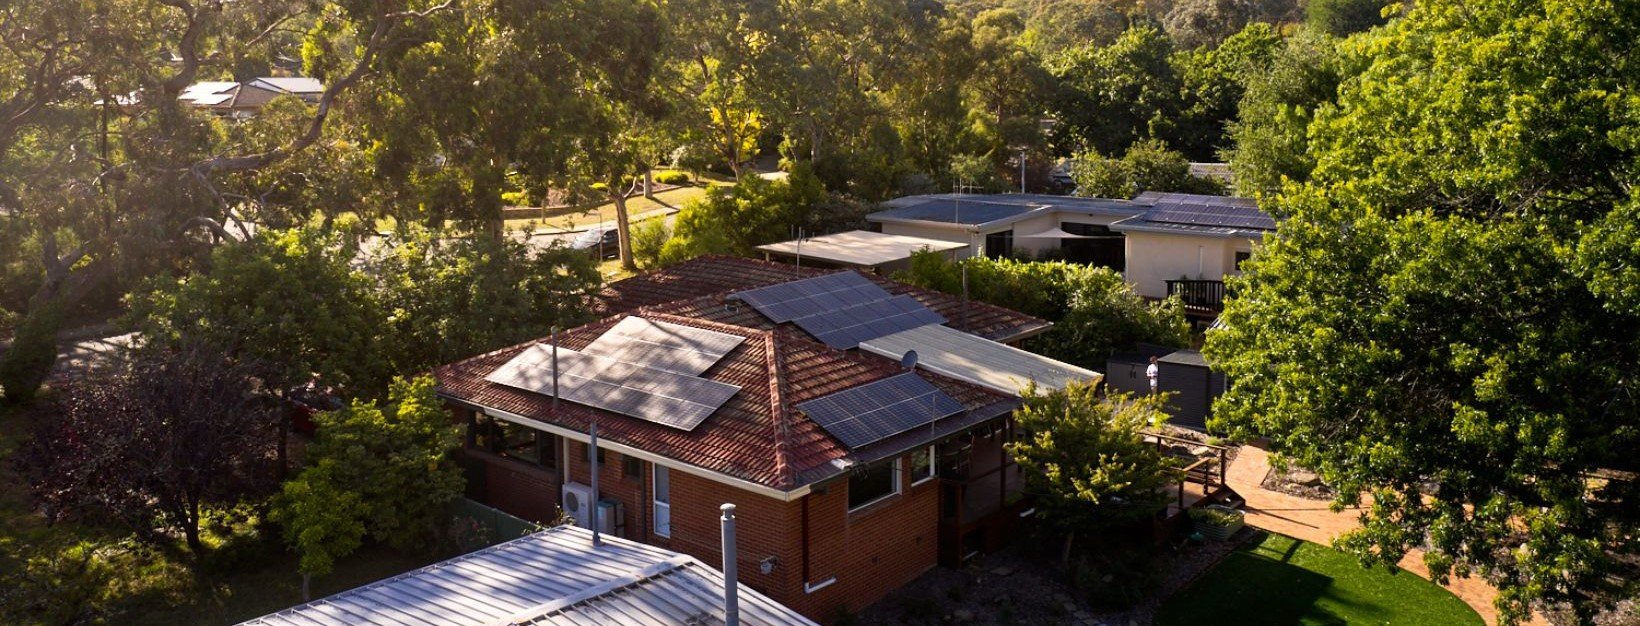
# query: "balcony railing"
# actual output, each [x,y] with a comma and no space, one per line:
[1207,294]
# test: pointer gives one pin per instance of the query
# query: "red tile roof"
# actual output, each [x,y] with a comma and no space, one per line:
[697,288]
[756,436]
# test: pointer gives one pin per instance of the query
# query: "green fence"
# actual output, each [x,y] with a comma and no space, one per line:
[489,525]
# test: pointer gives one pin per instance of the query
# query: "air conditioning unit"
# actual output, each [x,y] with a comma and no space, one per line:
[577,503]
[611,517]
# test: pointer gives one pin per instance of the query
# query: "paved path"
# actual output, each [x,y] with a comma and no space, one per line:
[1314,521]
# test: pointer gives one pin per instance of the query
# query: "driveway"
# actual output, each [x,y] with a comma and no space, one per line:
[1314,521]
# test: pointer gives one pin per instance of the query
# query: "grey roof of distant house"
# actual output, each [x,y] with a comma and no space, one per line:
[552,577]
[981,210]
[1191,214]
[292,84]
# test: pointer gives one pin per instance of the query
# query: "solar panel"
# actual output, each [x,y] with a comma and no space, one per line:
[663,345]
[874,411]
[1210,211]
[841,309]
[664,397]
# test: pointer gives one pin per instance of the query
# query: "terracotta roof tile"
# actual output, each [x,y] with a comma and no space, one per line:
[757,435]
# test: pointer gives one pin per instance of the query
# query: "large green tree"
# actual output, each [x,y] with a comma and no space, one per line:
[1444,325]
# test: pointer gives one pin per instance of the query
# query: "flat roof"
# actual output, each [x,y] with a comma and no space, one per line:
[951,352]
[553,577]
[956,210]
[860,248]
[1191,214]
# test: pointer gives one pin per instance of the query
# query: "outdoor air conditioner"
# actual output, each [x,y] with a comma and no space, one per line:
[577,503]
[611,520]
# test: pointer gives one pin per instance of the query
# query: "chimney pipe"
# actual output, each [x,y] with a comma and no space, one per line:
[592,459]
[731,578]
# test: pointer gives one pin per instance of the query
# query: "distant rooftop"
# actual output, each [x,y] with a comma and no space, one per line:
[1191,214]
[291,84]
[988,209]
[859,248]
[552,577]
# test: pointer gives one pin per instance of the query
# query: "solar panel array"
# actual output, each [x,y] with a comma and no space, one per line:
[841,309]
[664,397]
[877,410]
[1209,211]
[665,346]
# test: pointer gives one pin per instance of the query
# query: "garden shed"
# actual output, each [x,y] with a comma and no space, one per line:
[1183,373]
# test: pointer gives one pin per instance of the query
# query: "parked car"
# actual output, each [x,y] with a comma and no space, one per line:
[599,242]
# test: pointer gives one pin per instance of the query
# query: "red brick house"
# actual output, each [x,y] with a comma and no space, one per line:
[825,527]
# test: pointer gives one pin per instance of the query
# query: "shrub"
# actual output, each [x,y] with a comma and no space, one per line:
[515,198]
[649,239]
[33,352]
[671,177]
[1214,517]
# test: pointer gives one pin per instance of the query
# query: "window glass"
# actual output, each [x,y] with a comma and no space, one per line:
[519,442]
[870,484]
[922,464]
[663,501]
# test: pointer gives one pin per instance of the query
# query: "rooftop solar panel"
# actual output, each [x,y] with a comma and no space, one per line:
[874,411]
[663,345]
[841,309]
[1209,211]
[664,397]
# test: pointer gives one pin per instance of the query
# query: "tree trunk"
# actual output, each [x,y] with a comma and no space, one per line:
[623,230]
[307,578]
[649,184]
[190,530]
[1065,554]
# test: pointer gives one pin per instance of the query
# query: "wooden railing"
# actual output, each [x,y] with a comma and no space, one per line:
[1208,294]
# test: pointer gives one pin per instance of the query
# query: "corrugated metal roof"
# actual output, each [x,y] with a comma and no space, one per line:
[962,356]
[860,248]
[552,577]
[291,84]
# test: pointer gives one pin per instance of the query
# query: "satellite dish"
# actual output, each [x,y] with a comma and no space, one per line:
[909,361]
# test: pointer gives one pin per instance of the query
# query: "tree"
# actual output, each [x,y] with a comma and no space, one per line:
[1199,23]
[1438,328]
[155,443]
[1086,459]
[1270,136]
[735,220]
[1114,95]
[1214,81]
[291,299]
[1342,18]
[1147,166]
[385,472]
[1094,311]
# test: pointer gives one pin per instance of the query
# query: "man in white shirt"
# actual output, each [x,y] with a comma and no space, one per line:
[1152,372]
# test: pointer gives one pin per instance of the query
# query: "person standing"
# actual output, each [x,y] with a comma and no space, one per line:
[1153,372]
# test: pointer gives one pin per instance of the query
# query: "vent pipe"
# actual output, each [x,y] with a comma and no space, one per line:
[592,460]
[731,579]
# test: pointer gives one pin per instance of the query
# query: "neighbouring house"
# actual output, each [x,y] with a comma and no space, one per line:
[786,391]
[242,100]
[881,253]
[1185,245]
[999,225]
[556,576]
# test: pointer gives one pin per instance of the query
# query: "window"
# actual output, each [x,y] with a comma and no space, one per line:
[874,483]
[518,442]
[999,245]
[1240,257]
[922,465]
[631,467]
[663,501]
[1102,248]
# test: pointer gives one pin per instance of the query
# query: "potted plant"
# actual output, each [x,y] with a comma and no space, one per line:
[1217,522]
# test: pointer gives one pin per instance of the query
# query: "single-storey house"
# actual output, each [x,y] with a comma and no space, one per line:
[1000,225]
[553,577]
[1185,245]
[242,100]
[881,253]
[856,467]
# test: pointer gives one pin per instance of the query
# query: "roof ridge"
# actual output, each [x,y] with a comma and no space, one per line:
[782,417]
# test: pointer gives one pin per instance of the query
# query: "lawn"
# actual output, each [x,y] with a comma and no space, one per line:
[1280,580]
[637,207]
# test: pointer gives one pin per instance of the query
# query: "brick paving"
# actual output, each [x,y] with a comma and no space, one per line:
[1314,521]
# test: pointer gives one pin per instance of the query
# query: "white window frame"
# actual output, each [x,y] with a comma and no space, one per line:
[662,510]
[933,468]
[898,478]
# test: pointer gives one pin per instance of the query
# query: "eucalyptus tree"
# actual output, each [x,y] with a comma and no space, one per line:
[108,174]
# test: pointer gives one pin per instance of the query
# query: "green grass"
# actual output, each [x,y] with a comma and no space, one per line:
[637,207]
[1280,580]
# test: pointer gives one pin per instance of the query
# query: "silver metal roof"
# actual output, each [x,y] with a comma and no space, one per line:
[951,352]
[549,578]
[860,248]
